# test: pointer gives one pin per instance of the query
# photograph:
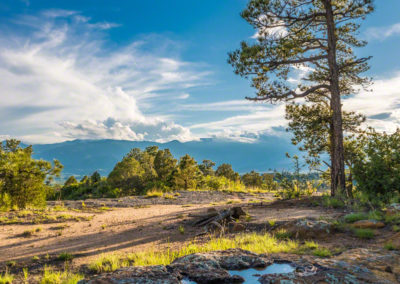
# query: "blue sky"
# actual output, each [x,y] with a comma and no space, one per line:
[154,70]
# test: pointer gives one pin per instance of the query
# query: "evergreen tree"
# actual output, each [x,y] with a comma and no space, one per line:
[164,165]
[207,168]
[22,178]
[226,170]
[188,173]
[313,35]
[70,181]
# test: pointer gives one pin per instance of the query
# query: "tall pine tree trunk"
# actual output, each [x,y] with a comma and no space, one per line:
[338,178]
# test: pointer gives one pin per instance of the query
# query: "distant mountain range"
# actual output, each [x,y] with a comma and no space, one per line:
[83,157]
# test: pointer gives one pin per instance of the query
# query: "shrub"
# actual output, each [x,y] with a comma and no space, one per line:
[376,168]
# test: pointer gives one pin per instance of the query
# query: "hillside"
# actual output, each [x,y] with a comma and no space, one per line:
[82,157]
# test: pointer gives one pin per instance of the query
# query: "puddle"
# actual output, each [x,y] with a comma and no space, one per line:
[251,275]
[187,281]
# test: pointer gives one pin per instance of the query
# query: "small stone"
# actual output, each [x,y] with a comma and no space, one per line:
[388,269]
[368,224]
[236,227]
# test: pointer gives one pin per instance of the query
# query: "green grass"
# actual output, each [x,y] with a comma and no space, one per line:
[354,217]
[364,233]
[332,202]
[181,229]
[154,193]
[282,234]
[65,256]
[258,243]
[56,277]
[396,228]
[272,223]
[389,246]
[6,278]
[322,252]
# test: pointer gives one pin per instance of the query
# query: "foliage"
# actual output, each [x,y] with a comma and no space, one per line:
[187,174]
[226,170]
[354,217]
[296,185]
[24,180]
[56,277]
[252,179]
[316,37]
[6,278]
[364,233]
[376,168]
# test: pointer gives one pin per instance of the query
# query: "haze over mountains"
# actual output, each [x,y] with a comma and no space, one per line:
[83,157]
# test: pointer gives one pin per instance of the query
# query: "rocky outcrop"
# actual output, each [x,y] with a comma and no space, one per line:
[308,228]
[368,224]
[353,266]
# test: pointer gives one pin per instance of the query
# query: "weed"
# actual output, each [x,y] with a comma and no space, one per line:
[282,234]
[169,196]
[104,226]
[35,258]
[389,246]
[38,229]
[28,233]
[55,277]
[6,278]
[107,263]
[332,202]
[322,252]
[364,233]
[353,217]
[154,193]
[248,218]
[272,223]
[396,228]
[65,256]
[11,263]
[181,229]
[26,274]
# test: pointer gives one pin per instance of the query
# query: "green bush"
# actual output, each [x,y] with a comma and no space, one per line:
[376,168]
[24,180]
[354,217]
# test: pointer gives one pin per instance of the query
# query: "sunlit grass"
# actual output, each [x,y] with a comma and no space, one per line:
[6,278]
[258,243]
[57,277]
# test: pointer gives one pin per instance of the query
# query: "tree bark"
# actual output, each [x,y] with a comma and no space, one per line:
[338,178]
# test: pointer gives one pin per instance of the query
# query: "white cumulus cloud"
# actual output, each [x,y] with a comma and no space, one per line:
[60,80]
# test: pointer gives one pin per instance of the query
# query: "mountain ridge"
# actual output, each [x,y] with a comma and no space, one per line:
[83,157]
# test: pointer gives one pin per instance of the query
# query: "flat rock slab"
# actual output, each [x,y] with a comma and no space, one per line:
[353,267]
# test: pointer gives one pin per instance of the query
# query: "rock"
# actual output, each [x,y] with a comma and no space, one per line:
[308,228]
[368,224]
[352,266]
[212,267]
[395,241]
[393,209]
[235,227]
[140,275]
[212,210]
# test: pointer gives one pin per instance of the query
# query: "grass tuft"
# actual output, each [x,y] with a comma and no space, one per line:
[364,233]
[65,256]
[6,278]
[56,277]
[354,217]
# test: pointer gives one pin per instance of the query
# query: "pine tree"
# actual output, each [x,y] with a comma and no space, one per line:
[316,36]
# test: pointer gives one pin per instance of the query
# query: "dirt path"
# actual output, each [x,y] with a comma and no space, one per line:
[137,224]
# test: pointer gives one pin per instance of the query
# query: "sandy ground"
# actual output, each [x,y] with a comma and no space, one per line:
[140,224]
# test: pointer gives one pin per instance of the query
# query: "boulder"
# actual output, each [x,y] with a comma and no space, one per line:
[235,227]
[393,209]
[140,275]
[368,224]
[395,241]
[308,228]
